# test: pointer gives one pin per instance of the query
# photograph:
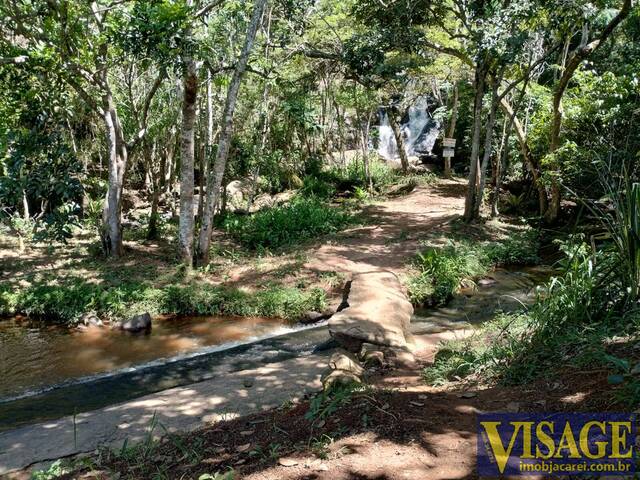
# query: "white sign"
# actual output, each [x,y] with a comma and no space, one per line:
[448,152]
[449,142]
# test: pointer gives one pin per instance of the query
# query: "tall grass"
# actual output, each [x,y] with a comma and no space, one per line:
[286,225]
[442,269]
[622,223]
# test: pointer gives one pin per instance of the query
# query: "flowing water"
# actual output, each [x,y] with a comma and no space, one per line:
[419,132]
[48,372]
[34,356]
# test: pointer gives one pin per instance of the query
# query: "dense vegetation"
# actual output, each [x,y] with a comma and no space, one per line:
[92,108]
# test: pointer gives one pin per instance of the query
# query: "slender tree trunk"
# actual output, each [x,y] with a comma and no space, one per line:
[474,162]
[528,158]
[111,232]
[216,174]
[397,133]
[364,135]
[25,205]
[452,128]
[202,169]
[155,175]
[488,141]
[187,153]
[500,162]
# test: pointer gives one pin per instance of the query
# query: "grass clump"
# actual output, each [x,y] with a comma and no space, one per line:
[572,323]
[286,225]
[67,302]
[442,269]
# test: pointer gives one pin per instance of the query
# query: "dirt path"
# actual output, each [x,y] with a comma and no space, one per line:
[396,228]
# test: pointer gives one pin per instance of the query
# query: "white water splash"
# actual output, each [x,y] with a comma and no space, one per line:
[419,133]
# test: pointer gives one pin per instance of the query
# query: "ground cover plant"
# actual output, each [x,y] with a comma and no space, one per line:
[443,268]
[67,302]
[275,227]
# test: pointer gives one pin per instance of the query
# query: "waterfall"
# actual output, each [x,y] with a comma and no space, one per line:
[419,131]
[387,143]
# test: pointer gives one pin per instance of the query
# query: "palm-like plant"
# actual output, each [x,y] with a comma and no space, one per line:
[623,225]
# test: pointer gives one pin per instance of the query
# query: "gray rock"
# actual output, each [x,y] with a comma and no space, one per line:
[137,323]
[313,316]
[91,319]
[343,360]
[372,355]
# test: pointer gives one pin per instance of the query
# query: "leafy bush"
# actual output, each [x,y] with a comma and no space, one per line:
[68,302]
[443,268]
[281,226]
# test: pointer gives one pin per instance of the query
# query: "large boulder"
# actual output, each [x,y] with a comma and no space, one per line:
[378,313]
[238,193]
[137,323]
[343,360]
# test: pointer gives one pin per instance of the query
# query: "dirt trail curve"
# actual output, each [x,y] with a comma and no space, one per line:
[395,230]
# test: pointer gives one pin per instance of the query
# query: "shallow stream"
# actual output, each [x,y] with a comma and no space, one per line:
[50,371]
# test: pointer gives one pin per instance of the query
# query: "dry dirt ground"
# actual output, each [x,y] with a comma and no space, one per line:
[391,235]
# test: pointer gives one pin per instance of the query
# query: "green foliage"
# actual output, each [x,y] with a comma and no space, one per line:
[57,469]
[452,362]
[281,226]
[570,323]
[327,402]
[443,268]
[622,223]
[69,301]
[351,179]
[155,29]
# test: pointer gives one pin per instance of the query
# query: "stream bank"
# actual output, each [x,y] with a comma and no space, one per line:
[191,392]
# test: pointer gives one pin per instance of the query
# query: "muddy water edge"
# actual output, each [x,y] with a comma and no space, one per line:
[48,372]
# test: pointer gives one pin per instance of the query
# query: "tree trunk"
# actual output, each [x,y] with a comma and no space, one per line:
[397,133]
[474,162]
[364,134]
[500,162]
[528,159]
[214,181]
[187,153]
[488,141]
[155,175]
[452,128]
[111,232]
